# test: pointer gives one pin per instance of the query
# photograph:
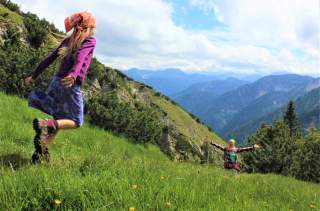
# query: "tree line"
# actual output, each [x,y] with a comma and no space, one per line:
[285,150]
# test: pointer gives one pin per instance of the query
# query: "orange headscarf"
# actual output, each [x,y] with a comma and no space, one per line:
[80,21]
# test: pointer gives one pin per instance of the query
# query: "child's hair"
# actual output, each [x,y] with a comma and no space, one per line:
[232,142]
[75,40]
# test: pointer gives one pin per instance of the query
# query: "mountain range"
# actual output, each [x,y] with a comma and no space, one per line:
[168,81]
[235,108]
[307,108]
[172,81]
[199,97]
[228,104]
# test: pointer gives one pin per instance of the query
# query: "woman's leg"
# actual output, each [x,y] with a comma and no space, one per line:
[66,124]
[47,130]
[236,166]
[53,126]
[61,124]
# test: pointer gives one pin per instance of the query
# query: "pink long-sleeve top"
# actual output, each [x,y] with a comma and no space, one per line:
[71,65]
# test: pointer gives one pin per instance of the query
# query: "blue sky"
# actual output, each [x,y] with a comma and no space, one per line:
[193,18]
[239,36]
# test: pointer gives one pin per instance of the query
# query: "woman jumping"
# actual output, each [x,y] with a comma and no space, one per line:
[230,154]
[63,99]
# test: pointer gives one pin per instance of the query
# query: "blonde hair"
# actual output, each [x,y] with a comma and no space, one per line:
[75,41]
[232,142]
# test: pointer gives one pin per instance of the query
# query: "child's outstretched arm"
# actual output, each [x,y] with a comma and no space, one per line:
[47,61]
[248,149]
[218,146]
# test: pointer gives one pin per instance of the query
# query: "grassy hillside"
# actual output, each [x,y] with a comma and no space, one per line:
[8,15]
[183,134]
[95,170]
[197,132]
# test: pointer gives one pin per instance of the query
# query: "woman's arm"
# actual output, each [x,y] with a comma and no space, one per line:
[248,149]
[47,61]
[218,146]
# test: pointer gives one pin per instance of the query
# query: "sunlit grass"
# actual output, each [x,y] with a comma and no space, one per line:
[186,124]
[9,16]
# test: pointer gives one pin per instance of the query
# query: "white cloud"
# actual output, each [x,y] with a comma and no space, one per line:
[285,25]
[289,23]
[141,33]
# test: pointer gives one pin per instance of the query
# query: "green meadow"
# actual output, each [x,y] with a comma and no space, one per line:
[92,169]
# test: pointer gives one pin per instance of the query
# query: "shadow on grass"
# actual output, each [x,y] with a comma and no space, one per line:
[13,161]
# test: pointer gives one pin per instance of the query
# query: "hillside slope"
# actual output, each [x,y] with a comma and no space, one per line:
[95,170]
[25,40]
[182,134]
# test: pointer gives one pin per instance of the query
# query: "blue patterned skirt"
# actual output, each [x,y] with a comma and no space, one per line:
[59,102]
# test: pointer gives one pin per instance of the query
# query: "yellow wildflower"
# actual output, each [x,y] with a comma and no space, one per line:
[168,204]
[131,209]
[134,186]
[57,202]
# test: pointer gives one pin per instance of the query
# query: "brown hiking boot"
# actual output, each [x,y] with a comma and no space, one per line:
[43,157]
[44,129]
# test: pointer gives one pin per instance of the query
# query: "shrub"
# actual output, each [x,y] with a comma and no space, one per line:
[37,29]
[10,5]
[306,162]
[96,70]
[17,61]
[139,123]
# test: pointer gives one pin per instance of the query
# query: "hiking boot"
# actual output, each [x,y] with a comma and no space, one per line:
[40,158]
[44,129]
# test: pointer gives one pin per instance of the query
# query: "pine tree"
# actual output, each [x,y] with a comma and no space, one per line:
[274,155]
[291,119]
[306,162]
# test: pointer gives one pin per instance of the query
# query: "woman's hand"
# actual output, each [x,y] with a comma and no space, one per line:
[257,146]
[68,82]
[28,81]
